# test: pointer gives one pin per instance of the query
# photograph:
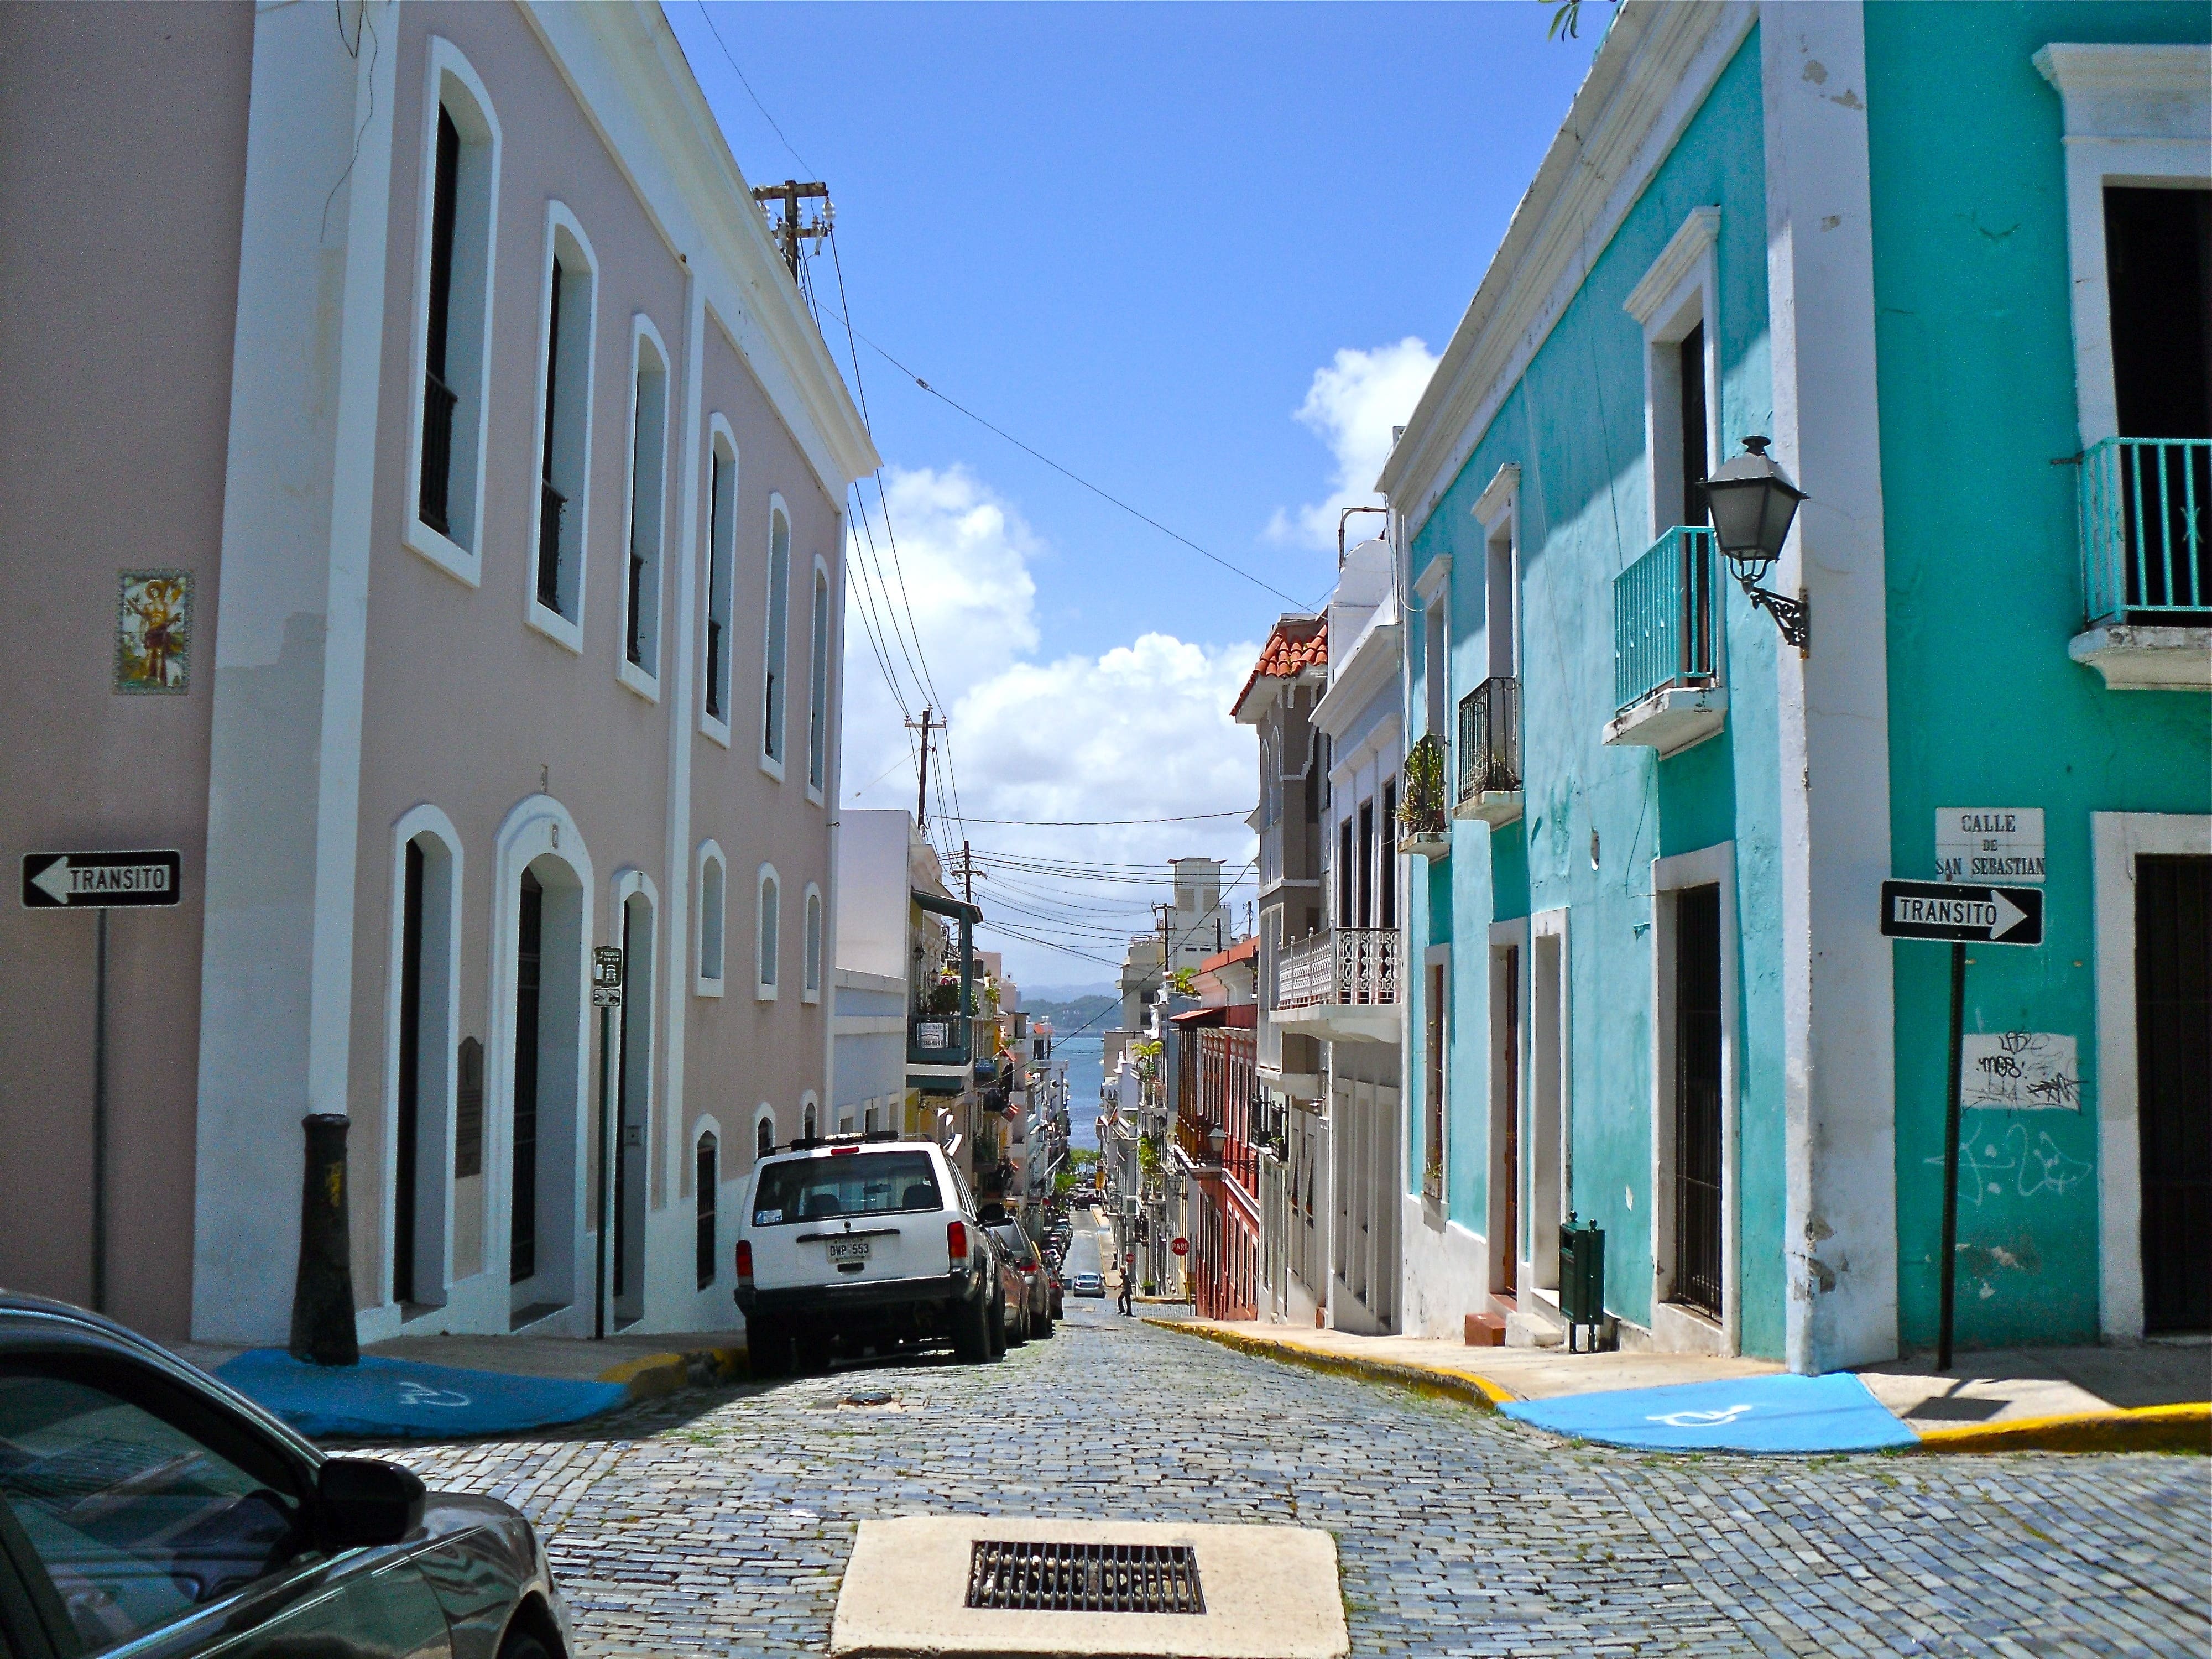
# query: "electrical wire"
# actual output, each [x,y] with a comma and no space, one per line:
[708,17]
[1108,823]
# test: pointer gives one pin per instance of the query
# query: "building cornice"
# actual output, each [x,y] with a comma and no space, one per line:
[1657,63]
[1683,249]
[2130,92]
[1363,675]
[632,80]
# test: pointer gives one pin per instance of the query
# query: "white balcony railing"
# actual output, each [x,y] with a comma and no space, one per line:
[1347,967]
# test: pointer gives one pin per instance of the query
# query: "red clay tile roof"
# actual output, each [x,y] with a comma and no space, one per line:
[1296,644]
[1243,950]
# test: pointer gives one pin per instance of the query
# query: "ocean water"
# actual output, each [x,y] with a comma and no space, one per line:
[1085,1054]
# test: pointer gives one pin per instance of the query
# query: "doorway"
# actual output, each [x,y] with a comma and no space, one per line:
[2173,1035]
[546,1126]
[632,1108]
[1698,1164]
[1507,1254]
[522,1176]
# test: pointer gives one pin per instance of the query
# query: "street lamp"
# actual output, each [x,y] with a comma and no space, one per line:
[1753,502]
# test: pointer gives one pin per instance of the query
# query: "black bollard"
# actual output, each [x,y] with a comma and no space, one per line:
[322,1297]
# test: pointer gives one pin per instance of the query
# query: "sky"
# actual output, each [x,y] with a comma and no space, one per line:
[1200,257]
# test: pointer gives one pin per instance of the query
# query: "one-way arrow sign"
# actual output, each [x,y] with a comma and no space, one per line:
[1972,915]
[102,881]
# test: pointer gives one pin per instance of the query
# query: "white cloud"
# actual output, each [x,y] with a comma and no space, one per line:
[1352,406]
[1142,731]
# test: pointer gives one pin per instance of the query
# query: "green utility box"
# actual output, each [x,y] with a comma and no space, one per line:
[1582,1279]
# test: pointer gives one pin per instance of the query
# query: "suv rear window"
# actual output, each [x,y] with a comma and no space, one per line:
[857,1183]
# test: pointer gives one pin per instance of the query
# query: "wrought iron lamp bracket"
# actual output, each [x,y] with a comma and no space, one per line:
[1793,616]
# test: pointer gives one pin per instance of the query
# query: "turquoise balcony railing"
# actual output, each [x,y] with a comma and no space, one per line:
[2145,555]
[1666,616]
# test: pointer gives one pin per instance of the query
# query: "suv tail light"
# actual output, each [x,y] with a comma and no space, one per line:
[956,1245]
[745,1263]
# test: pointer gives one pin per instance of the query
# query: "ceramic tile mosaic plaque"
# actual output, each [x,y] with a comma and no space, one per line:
[153,631]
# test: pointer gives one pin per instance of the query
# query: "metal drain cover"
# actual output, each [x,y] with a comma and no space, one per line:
[964,1587]
[1064,1578]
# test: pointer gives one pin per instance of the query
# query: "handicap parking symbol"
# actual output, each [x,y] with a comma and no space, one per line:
[413,1392]
[1699,1420]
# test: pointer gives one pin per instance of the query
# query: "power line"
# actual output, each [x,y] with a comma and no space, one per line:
[709,18]
[1075,477]
[1107,824]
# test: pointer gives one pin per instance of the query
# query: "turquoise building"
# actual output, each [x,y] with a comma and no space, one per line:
[1951,262]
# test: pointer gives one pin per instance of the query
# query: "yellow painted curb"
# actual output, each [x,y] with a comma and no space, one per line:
[2146,1428]
[650,1376]
[1438,1379]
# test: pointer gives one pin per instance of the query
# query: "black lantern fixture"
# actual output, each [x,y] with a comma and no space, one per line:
[1753,502]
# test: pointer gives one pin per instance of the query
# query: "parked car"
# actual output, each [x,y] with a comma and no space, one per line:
[1035,1312]
[865,1242]
[144,1502]
[1091,1285]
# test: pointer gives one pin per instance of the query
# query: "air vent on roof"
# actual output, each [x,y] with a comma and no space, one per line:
[1061,1577]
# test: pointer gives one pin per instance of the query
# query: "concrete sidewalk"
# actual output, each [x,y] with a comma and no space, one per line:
[646,1365]
[2149,1398]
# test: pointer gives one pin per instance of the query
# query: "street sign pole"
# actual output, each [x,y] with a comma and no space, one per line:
[100,1114]
[1951,1158]
[101,882]
[606,995]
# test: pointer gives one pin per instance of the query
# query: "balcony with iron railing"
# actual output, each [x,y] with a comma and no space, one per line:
[1489,751]
[1668,645]
[551,505]
[1341,984]
[2146,563]
[434,497]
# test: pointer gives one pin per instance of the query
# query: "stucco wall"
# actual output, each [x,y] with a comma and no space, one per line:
[1978,401]
[124,127]
[1575,425]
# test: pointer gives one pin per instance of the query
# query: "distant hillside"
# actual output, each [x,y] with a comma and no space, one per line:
[1042,993]
[1092,1013]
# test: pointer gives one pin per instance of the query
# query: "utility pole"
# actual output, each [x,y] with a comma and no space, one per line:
[921,788]
[790,193]
[968,873]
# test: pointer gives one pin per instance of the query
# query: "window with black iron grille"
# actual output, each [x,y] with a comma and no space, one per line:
[704,1183]
[1697,1098]
[438,397]
[1061,1577]
[1489,738]
[779,610]
[642,609]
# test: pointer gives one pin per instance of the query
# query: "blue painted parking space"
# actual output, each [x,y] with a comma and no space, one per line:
[1749,1414]
[403,1398]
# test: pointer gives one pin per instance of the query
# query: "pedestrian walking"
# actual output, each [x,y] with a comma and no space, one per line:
[1128,1284]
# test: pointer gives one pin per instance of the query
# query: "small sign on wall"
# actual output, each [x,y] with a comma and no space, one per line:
[154,631]
[2022,1071]
[1989,844]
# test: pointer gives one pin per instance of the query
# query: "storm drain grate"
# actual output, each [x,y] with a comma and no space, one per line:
[1054,1577]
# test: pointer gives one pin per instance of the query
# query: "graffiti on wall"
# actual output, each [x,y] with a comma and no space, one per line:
[2020,1071]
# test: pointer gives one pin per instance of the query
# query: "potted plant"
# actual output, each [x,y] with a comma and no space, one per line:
[1424,828]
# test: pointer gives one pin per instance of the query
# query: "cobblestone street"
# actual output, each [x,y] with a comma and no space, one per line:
[720,1522]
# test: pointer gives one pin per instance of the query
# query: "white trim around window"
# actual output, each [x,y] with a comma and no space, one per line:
[810,982]
[775,642]
[438,988]
[768,932]
[1680,292]
[2116,840]
[711,882]
[567,246]
[717,653]
[452,83]
[2134,115]
[820,664]
[645,503]
[763,1117]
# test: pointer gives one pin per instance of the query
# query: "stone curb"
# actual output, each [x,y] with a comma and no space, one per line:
[651,1375]
[1455,1384]
[2145,1428]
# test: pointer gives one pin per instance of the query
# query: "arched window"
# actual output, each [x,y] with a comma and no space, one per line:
[648,487]
[707,1178]
[710,920]
[459,205]
[564,461]
[812,1121]
[812,991]
[817,687]
[765,1132]
[771,903]
[721,554]
[778,618]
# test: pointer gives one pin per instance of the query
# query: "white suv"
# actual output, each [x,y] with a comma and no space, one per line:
[870,1241]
